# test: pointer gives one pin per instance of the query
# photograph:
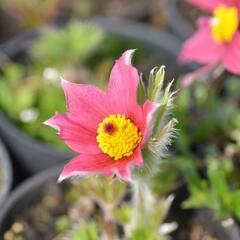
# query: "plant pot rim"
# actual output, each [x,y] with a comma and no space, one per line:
[6,165]
[178,24]
[28,186]
[18,134]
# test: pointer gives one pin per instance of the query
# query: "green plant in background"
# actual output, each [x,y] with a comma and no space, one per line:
[87,231]
[217,191]
[70,45]
[201,116]
[207,150]
[34,88]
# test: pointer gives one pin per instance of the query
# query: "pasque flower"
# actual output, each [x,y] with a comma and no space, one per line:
[217,41]
[107,129]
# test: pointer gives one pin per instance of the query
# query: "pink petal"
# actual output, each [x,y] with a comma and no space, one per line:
[101,163]
[231,3]
[149,109]
[137,159]
[210,5]
[232,57]
[85,164]
[201,48]
[124,174]
[203,22]
[127,57]
[122,87]
[85,103]
[123,168]
[76,136]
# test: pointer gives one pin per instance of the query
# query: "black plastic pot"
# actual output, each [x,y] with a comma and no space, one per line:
[25,194]
[35,156]
[6,171]
[178,24]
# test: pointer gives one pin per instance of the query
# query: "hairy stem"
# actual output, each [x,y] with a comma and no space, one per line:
[143,200]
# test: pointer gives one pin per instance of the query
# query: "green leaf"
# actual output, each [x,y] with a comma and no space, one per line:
[123,213]
[235,203]
[13,73]
[141,92]
[62,223]
[51,99]
[6,98]
[88,231]
[145,233]
[24,98]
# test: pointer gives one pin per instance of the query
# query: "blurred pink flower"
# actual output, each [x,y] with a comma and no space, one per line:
[217,40]
[107,129]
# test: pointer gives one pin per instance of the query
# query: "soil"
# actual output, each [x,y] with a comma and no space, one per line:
[157,15]
[202,226]
[12,28]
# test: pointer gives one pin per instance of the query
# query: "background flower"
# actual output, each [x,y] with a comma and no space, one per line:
[217,40]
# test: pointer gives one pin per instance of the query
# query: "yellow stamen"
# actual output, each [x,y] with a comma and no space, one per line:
[118,136]
[224,23]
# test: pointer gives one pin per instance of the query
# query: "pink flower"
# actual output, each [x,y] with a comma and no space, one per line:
[217,41]
[107,129]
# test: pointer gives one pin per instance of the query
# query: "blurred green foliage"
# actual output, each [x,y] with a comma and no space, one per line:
[63,223]
[205,119]
[79,52]
[215,192]
[207,149]
[72,44]
[144,233]
[88,231]
[34,88]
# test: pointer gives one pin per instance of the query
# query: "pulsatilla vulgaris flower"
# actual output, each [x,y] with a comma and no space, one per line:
[107,129]
[217,41]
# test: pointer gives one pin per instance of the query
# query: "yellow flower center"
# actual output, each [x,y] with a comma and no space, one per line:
[118,136]
[224,23]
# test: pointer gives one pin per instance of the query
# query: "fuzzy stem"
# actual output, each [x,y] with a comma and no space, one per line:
[142,201]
